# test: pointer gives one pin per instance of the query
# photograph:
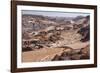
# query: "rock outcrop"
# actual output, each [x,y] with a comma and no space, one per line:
[83,53]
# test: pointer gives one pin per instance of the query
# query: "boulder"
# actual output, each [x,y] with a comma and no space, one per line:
[85,52]
[75,57]
[24,49]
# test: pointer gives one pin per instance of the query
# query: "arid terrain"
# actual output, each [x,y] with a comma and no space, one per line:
[46,38]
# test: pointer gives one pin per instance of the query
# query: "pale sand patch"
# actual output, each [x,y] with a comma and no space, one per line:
[40,55]
[78,45]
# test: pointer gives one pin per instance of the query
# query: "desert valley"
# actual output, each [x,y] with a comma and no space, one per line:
[47,38]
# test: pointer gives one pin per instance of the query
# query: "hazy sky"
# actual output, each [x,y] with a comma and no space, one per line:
[54,14]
